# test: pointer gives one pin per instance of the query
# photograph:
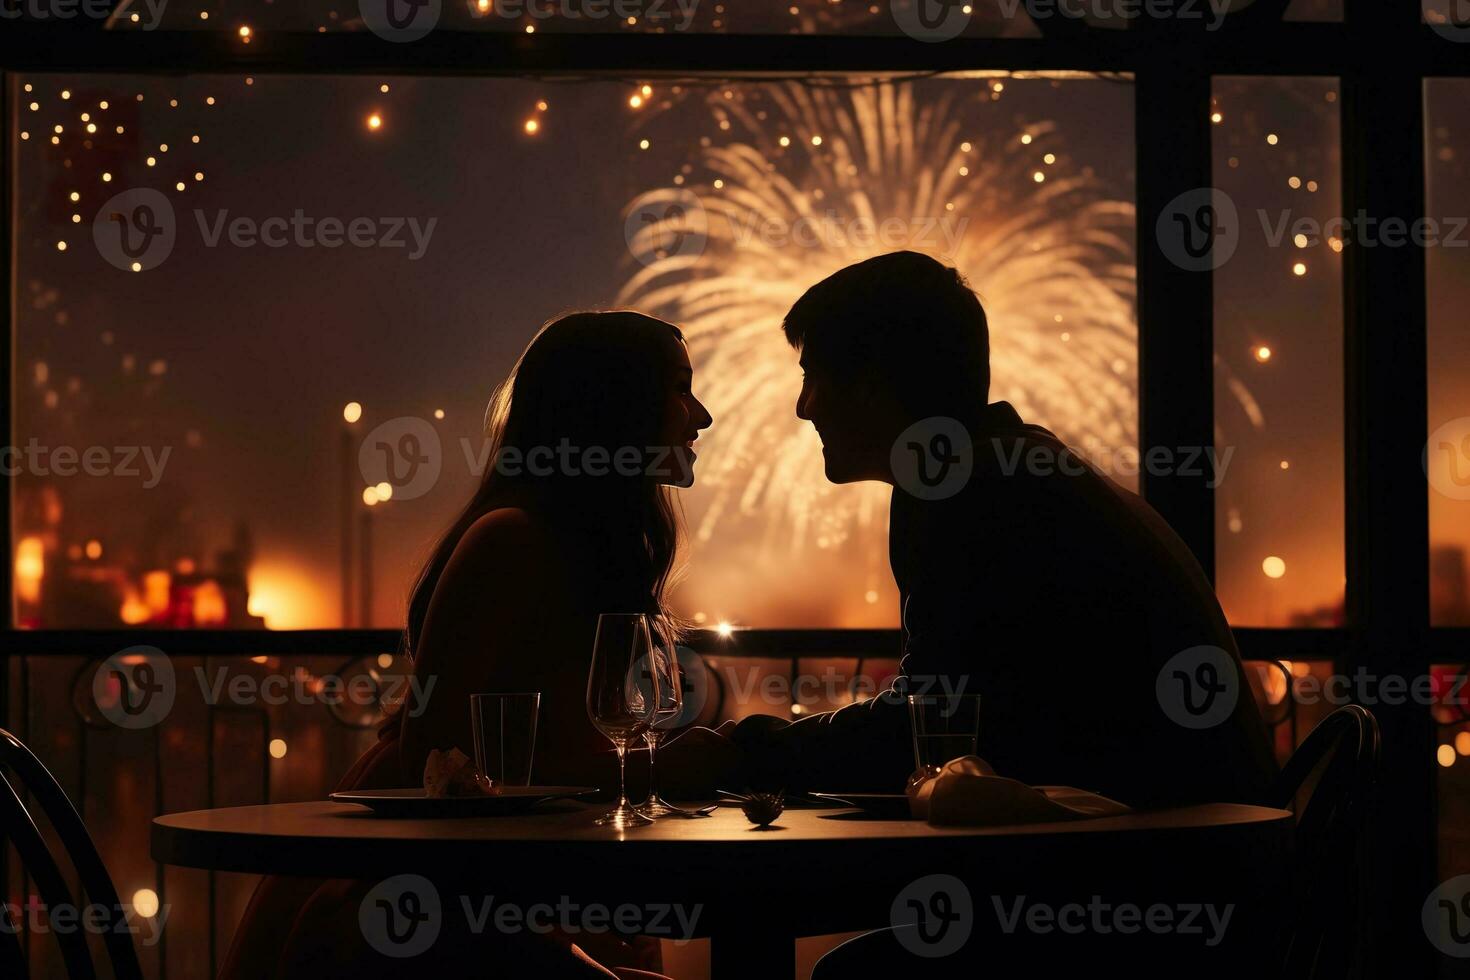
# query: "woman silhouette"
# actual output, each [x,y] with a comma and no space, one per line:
[573,517]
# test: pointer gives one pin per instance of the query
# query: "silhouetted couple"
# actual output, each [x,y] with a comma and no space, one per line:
[1049,590]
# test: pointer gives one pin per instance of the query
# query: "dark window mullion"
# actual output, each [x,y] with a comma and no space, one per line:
[1175,306]
[1387,533]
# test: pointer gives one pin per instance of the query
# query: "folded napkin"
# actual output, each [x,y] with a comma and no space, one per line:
[451,773]
[967,792]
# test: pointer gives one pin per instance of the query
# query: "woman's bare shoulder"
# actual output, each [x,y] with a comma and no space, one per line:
[505,532]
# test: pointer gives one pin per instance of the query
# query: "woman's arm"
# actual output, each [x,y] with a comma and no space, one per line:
[486,607]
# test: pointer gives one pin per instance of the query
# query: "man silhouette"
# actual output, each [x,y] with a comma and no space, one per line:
[1093,636]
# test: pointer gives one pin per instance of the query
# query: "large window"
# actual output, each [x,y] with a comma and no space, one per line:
[235,392]
[1447,453]
[1278,353]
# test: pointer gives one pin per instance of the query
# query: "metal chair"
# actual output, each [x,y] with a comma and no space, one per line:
[1327,783]
[19,768]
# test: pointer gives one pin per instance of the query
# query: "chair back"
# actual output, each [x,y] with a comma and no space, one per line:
[1328,783]
[21,771]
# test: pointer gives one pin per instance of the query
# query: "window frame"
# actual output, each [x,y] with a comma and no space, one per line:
[1387,629]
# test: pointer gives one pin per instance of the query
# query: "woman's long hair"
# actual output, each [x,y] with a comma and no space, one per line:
[587,380]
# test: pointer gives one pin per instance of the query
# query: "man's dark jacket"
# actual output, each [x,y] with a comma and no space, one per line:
[1058,596]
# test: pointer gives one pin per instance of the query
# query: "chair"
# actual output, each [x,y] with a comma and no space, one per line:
[1327,783]
[19,768]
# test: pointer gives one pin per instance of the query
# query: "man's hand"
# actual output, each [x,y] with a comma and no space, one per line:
[699,763]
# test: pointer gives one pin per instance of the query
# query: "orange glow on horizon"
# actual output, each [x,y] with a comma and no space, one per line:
[288,595]
[30,568]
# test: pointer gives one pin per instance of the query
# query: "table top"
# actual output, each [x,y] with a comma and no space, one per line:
[336,839]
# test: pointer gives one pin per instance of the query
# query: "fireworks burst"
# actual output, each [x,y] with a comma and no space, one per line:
[814,179]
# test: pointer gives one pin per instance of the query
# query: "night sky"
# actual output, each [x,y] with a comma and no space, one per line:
[242,358]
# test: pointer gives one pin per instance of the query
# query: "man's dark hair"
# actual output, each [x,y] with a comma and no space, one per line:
[905,317]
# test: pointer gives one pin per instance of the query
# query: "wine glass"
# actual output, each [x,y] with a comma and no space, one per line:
[622,696]
[669,703]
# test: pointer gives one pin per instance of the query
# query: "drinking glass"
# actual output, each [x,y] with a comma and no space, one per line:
[669,703]
[622,697]
[504,727]
[945,727]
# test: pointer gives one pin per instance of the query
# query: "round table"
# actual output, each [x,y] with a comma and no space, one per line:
[813,872]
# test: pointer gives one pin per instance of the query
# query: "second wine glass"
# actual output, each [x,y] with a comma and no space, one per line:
[669,704]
